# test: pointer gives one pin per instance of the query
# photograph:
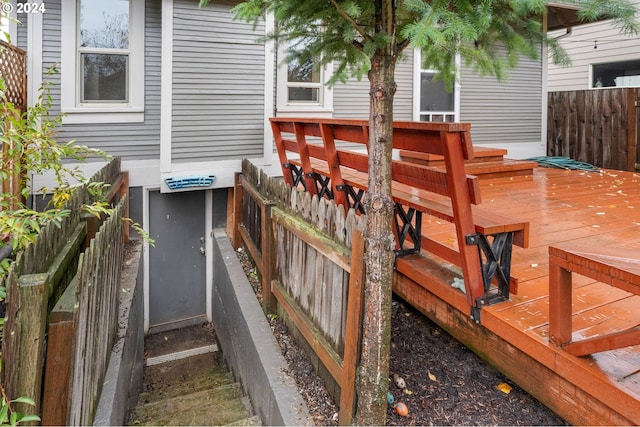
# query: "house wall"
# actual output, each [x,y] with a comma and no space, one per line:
[131,141]
[504,114]
[351,100]
[21,33]
[590,44]
[218,85]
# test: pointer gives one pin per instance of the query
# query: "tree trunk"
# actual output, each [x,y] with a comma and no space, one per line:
[373,377]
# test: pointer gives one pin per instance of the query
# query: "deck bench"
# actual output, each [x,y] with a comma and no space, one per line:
[484,238]
[608,265]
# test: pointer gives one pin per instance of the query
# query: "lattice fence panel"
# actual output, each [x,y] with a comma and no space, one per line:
[13,70]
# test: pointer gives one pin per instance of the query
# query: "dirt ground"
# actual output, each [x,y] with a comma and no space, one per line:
[446,384]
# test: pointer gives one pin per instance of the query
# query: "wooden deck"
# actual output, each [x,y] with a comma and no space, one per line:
[591,209]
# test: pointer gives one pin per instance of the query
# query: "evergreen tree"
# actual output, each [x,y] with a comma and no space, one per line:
[368,36]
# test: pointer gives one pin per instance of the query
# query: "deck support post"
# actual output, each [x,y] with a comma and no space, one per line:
[559,299]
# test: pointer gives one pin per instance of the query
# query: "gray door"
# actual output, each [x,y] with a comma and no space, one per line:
[177,285]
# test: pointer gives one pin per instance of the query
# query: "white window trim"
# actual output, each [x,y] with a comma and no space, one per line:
[324,108]
[417,69]
[130,112]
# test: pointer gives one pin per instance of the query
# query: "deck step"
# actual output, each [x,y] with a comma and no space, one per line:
[480,154]
[501,168]
[487,163]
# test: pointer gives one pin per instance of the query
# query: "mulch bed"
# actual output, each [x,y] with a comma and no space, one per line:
[446,383]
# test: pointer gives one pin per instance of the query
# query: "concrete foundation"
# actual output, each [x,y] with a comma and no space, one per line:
[248,345]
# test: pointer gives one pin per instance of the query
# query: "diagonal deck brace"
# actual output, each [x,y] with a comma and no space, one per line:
[494,251]
[323,184]
[408,225]
[354,198]
[296,174]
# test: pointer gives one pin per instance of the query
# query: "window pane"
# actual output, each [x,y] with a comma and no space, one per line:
[621,74]
[306,72]
[433,95]
[304,94]
[104,77]
[104,24]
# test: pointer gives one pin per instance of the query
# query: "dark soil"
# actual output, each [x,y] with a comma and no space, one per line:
[446,383]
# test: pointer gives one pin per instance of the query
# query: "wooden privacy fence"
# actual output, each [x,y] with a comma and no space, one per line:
[598,126]
[312,253]
[37,279]
[82,329]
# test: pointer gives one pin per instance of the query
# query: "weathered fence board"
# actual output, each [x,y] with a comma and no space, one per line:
[595,126]
[316,266]
[57,376]
[95,320]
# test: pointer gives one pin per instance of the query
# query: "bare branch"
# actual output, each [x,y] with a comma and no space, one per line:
[402,45]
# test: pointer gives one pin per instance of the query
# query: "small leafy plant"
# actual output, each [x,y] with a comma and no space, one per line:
[29,144]
[11,417]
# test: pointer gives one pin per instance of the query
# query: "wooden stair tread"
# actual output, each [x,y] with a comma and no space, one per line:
[480,154]
[499,168]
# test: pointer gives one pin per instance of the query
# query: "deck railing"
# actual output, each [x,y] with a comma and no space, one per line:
[317,279]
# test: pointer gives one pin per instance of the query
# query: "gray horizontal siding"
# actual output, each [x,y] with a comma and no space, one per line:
[218,85]
[51,52]
[21,33]
[351,99]
[131,141]
[503,112]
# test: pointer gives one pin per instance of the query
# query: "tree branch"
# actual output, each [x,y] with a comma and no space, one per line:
[350,20]
[402,45]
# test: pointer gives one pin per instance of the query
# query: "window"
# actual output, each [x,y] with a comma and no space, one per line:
[301,85]
[432,101]
[103,50]
[620,74]
[102,66]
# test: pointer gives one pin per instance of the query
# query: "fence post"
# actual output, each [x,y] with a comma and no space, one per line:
[124,192]
[268,257]
[352,330]
[31,322]
[236,220]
